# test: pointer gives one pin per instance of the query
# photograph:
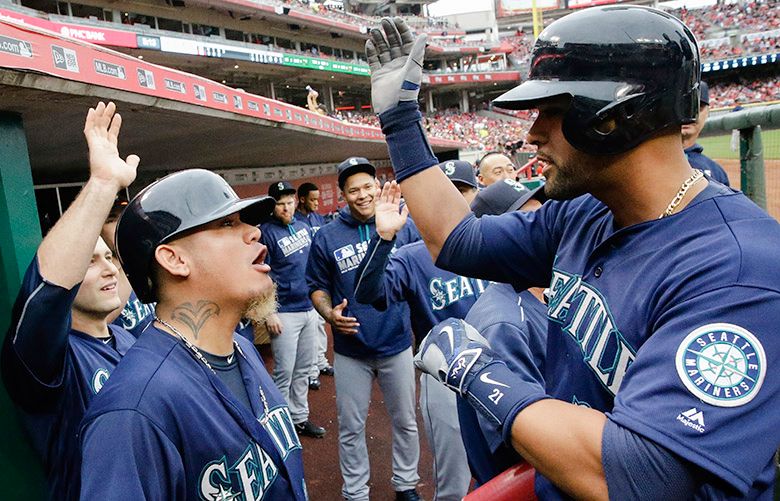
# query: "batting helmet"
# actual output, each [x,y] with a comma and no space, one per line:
[170,206]
[631,71]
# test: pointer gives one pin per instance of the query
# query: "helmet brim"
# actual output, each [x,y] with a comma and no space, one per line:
[528,94]
[253,211]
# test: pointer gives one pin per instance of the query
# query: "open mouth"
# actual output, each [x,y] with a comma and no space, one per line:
[259,262]
[108,288]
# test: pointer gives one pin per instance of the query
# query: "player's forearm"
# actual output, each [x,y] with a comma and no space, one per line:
[66,250]
[427,193]
[563,442]
[370,285]
[322,302]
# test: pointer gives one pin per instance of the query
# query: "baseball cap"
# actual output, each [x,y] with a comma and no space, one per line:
[353,165]
[459,171]
[276,190]
[704,93]
[503,196]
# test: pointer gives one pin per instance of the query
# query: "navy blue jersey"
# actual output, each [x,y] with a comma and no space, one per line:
[135,316]
[184,435]
[515,325]
[336,253]
[700,161]
[288,250]
[678,313]
[52,406]
[409,275]
[246,330]
[313,219]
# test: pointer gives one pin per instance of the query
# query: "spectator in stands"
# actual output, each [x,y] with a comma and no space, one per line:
[690,133]
[495,166]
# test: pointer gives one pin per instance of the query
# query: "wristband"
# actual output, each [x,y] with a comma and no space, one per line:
[500,394]
[407,143]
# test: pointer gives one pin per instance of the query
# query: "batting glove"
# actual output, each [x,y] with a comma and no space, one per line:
[458,356]
[395,57]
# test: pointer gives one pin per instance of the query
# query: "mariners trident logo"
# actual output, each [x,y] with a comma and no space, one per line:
[722,364]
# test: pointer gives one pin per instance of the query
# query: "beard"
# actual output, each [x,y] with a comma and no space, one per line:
[261,307]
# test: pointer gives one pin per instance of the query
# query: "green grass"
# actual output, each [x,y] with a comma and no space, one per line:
[720,146]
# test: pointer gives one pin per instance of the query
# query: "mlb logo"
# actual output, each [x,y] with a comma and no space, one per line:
[344,252]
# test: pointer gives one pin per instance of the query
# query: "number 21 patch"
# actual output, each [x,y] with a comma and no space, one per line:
[722,364]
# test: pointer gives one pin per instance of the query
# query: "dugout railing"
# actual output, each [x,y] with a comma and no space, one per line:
[754,175]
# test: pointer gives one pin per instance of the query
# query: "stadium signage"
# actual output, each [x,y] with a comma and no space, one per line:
[456,78]
[313,63]
[740,62]
[92,34]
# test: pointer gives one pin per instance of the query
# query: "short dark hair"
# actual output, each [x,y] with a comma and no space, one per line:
[489,153]
[305,188]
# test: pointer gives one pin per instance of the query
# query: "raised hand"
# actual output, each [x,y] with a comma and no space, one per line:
[390,218]
[396,58]
[102,132]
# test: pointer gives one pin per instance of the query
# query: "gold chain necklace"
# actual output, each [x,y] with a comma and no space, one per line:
[697,174]
[200,357]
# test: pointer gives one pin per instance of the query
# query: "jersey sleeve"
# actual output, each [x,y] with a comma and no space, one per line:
[138,462]
[705,385]
[370,278]
[35,346]
[517,248]
[317,269]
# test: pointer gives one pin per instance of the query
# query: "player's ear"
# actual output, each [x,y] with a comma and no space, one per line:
[172,259]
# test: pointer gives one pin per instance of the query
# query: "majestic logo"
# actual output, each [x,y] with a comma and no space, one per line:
[692,418]
[583,314]
[449,168]
[721,364]
[99,379]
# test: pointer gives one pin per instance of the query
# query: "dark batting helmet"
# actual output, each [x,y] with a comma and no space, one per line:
[170,206]
[630,71]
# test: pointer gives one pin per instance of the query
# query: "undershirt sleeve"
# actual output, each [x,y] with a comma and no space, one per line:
[637,468]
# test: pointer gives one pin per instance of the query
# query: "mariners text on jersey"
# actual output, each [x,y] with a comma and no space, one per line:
[584,315]
[295,242]
[446,292]
[255,470]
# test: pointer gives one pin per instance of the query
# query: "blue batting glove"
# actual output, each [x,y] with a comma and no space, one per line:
[458,356]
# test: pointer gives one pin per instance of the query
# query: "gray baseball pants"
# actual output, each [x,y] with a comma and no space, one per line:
[440,418]
[293,352]
[354,379]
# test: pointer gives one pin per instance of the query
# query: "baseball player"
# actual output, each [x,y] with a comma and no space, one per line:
[308,204]
[503,315]
[433,295]
[294,327]
[59,350]
[193,414]
[134,315]
[690,133]
[462,176]
[368,344]
[494,166]
[663,361]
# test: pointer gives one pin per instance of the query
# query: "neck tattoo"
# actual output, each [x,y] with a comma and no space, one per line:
[198,355]
[697,174]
